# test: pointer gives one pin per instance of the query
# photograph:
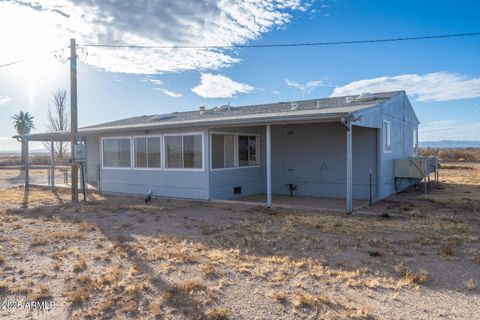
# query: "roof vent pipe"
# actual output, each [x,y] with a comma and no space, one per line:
[294,105]
[318,104]
[202,109]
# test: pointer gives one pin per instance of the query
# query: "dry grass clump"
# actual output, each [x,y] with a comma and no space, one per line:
[38,240]
[81,290]
[86,227]
[280,296]
[208,269]
[156,308]
[303,299]
[79,265]
[172,250]
[475,255]
[41,292]
[217,313]
[111,277]
[190,285]
[15,195]
[56,266]
[470,284]
[4,286]
[358,313]
[64,235]
[411,278]
[447,250]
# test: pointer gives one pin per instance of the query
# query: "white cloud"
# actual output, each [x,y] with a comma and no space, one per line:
[449,130]
[219,86]
[164,22]
[437,86]
[170,93]
[276,92]
[4,100]
[307,87]
[159,86]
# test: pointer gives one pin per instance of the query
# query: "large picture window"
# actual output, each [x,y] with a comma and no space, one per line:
[387,147]
[184,152]
[147,152]
[116,153]
[234,150]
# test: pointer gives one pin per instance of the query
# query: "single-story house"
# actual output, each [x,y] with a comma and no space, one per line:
[339,147]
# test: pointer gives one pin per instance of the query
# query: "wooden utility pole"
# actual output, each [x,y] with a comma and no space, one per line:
[73,117]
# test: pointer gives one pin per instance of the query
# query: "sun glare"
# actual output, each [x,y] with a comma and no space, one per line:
[32,35]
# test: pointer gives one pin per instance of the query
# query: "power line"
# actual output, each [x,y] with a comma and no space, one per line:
[468,109]
[31,58]
[282,45]
[273,45]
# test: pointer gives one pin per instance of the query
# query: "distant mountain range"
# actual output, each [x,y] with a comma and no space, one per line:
[450,144]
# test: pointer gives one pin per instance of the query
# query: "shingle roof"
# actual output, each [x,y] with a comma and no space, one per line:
[326,109]
[334,105]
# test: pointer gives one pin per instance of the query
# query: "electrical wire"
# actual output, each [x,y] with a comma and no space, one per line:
[283,45]
[31,58]
[274,45]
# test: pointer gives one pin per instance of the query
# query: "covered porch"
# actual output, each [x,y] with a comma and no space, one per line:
[330,165]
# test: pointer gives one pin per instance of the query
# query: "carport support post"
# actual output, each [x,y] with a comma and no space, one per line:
[269,165]
[27,182]
[52,163]
[349,168]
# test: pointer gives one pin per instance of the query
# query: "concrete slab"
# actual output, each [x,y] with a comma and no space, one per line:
[333,204]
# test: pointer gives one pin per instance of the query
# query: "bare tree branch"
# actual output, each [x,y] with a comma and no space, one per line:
[58,120]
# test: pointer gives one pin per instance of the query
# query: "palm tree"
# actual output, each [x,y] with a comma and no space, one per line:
[23,123]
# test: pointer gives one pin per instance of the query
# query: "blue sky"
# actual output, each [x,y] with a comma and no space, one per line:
[442,77]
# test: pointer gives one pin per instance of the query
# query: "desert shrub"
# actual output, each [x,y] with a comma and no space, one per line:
[452,154]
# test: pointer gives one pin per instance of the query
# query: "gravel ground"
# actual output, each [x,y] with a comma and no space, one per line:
[116,257]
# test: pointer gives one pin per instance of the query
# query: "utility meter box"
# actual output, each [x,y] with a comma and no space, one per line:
[80,152]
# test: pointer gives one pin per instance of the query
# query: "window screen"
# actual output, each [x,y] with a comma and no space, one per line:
[223,151]
[247,150]
[116,153]
[184,151]
[387,136]
[147,152]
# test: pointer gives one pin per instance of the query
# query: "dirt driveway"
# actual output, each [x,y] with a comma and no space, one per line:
[116,257]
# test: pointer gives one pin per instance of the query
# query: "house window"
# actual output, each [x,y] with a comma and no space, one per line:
[147,152]
[184,152]
[247,151]
[387,147]
[415,142]
[223,151]
[231,150]
[116,153]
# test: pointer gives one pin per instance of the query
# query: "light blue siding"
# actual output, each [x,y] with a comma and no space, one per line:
[179,184]
[311,155]
[168,183]
[403,121]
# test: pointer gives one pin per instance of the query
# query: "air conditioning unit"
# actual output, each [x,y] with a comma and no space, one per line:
[415,167]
